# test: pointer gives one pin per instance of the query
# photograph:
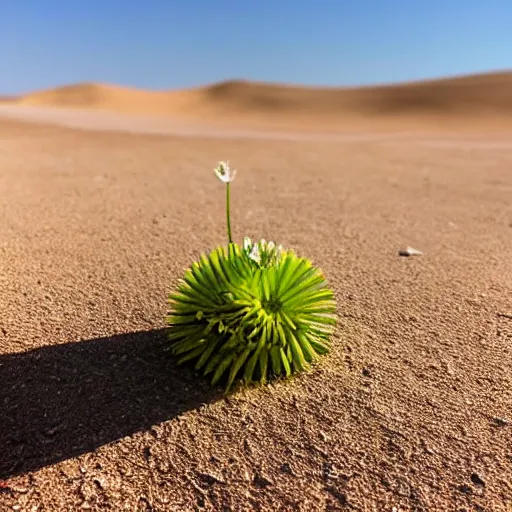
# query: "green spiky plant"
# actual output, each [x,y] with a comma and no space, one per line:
[250,313]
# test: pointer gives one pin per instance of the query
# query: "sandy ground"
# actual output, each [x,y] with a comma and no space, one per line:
[410,412]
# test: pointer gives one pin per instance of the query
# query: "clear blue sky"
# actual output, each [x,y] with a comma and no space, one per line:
[164,44]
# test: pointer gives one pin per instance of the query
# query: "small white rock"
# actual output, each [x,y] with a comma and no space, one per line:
[409,251]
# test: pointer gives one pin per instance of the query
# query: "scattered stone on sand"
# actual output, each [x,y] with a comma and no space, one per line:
[501,422]
[409,251]
[366,372]
[210,479]
[477,480]
[329,471]
[101,483]
[261,480]
[286,468]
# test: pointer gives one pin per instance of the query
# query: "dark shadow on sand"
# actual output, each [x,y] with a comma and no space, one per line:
[61,401]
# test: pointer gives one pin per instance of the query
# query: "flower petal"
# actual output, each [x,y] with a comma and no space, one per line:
[255,253]
[224,172]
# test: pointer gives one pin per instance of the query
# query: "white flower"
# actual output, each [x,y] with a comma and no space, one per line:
[247,244]
[255,253]
[224,172]
[271,246]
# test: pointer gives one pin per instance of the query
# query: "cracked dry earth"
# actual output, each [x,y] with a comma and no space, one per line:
[412,410]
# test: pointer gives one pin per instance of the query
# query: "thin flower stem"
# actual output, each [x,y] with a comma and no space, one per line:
[227,213]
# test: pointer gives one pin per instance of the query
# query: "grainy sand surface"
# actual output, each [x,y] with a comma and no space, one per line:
[412,409]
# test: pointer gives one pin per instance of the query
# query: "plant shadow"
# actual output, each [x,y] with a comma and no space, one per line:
[60,401]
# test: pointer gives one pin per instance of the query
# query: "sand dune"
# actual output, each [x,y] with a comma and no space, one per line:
[111,97]
[476,95]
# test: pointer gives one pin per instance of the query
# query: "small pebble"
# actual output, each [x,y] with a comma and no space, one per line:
[409,251]
[501,422]
[210,479]
[477,480]
[329,471]
[100,482]
[261,481]
[286,468]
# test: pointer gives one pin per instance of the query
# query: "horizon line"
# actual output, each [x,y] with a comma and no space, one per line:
[208,85]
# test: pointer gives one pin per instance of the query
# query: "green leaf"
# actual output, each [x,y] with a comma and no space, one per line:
[249,368]
[318,346]
[221,368]
[213,362]
[275,356]
[188,345]
[210,347]
[263,359]
[287,320]
[307,349]
[286,362]
[237,364]
[298,356]
[192,354]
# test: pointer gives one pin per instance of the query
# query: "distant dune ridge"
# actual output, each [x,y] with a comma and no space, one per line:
[456,97]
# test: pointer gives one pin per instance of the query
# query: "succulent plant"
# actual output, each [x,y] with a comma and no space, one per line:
[250,313]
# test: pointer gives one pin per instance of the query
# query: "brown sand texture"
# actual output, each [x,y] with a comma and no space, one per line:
[107,194]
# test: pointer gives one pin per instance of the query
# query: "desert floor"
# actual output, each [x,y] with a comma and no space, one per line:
[411,411]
